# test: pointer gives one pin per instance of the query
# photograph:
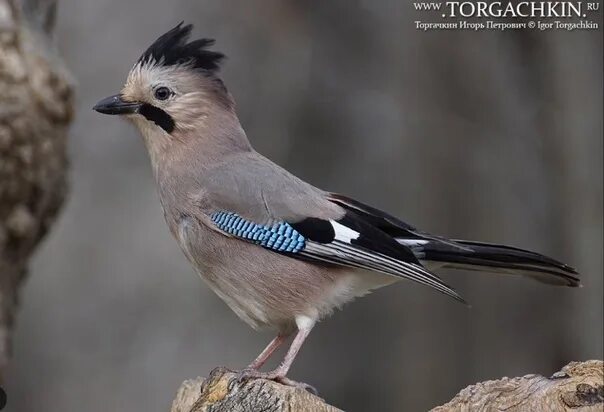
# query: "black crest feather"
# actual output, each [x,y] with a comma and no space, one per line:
[173,48]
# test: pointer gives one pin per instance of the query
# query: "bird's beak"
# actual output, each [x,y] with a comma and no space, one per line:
[116,105]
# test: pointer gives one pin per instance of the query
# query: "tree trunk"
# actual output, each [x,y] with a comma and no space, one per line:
[577,387]
[35,111]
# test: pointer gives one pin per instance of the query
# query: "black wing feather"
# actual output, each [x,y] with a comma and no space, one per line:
[391,225]
[369,249]
[383,221]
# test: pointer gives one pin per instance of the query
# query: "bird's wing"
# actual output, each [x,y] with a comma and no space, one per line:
[349,241]
[403,232]
[290,217]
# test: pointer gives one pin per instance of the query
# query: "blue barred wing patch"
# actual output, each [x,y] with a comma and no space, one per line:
[280,237]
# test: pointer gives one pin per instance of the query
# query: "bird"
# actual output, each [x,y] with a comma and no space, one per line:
[280,252]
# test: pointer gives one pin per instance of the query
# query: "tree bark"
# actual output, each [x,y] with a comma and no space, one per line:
[221,392]
[579,386]
[35,111]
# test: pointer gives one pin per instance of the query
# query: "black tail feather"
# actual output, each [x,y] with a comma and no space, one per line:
[497,259]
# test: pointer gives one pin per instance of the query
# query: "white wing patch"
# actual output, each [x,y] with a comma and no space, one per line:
[343,233]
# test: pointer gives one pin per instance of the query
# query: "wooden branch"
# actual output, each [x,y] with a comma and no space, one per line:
[220,392]
[577,387]
[35,111]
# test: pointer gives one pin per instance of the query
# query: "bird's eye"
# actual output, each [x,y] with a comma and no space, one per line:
[162,93]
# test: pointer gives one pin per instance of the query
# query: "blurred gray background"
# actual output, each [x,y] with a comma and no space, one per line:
[480,135]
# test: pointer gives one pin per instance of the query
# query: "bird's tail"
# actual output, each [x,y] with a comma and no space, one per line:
[492,258]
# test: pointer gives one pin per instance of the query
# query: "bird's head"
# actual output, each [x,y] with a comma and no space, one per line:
[172,87]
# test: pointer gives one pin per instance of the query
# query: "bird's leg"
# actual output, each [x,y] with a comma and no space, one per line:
[291,354]
[279,374]
[268,351]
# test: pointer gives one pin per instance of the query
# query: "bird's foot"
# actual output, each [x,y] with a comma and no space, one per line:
[295,384]
[253,373]
[250,373]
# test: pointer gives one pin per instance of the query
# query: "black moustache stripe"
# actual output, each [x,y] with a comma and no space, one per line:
[157,116]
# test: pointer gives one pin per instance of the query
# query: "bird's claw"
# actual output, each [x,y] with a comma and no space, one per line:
[250,373]
[295,384]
